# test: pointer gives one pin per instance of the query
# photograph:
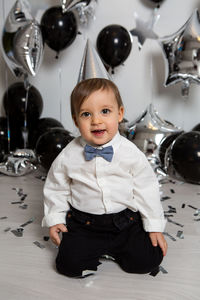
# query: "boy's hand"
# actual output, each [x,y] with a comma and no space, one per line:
[54,233]
[158,239]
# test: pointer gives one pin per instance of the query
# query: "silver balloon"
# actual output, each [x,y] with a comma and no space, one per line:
[91,65]
[18,17]
[28,47]
[149,132]
[26,153]
[84,8]
[16,166]
[144,30]
[182,54]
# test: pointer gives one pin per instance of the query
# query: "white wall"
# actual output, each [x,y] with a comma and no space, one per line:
[140,79]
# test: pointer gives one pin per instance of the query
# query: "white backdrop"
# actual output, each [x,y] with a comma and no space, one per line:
[140,79]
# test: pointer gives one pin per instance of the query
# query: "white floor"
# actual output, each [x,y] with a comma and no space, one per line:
[27,271]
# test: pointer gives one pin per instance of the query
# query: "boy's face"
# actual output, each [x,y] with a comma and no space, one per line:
[99,117]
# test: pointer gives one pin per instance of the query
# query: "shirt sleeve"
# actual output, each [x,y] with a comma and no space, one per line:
[56,192]
[147,196]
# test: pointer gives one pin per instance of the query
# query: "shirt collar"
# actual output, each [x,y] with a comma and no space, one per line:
[115,142]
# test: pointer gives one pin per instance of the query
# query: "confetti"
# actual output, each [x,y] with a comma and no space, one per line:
[172,191]
[192,207]
[24,206]
[180,234]
[46,238]
[183,205]
[197,213]
[170,236]
[7,229]
[3,218]
[28,222]
[165,198]
[38,244]
[171,221]
[163,270]
[18,232]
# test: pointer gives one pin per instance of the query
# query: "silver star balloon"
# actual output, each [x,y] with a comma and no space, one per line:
[144,30]
[84,8]
[150,133]
[28,47]
[91,65]
[18,17]
[68,5]
[16,166]
[181,52]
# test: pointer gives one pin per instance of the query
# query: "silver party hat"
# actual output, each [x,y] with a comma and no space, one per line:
[91,65]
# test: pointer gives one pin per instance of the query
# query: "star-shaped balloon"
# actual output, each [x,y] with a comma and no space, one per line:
[144,30]
[182,54]
[150,132]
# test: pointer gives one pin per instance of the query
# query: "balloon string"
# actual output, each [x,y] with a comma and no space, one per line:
[151,79]
[25,127]
[60,84]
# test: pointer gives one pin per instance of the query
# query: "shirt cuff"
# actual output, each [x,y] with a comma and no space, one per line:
[154,225]
[53,219]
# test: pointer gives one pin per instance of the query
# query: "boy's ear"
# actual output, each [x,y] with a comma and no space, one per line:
[75,121]
[121,114]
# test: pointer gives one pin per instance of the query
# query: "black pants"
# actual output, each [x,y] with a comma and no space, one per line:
[118,235]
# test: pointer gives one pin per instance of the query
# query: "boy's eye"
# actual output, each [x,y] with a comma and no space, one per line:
[85,114]
[105,111]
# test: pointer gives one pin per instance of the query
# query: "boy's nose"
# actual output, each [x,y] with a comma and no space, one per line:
[96,119]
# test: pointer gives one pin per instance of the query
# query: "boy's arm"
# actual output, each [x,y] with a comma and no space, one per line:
[56,192]
[147,196]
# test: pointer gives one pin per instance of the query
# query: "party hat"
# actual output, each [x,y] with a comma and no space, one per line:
[91,65]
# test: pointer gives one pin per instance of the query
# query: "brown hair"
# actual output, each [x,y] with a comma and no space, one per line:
[86,87]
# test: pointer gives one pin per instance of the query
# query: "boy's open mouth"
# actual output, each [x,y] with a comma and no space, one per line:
[98,131]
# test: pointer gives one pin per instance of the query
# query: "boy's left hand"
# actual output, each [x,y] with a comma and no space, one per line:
[158,239]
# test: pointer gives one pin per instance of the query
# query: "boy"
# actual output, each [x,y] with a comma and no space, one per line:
[109,199]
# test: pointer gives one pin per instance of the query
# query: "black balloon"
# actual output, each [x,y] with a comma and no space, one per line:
[114,45]
[164,145]
[50,144]
[43,125]
[185,156]
[196,128]
[4,138]
[23,109]
[59,29]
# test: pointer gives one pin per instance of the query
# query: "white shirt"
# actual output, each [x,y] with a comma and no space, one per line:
[100,187]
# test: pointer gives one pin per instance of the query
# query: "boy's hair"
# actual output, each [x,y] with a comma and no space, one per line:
[86,87]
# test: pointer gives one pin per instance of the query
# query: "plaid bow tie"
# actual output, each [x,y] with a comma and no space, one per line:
[106,153]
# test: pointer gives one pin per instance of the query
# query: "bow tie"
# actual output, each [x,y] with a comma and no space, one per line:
[91,152]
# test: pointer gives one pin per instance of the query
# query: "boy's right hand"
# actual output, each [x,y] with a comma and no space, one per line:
[54,232]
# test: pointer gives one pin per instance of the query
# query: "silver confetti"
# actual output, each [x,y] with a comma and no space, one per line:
[170,236]
[171,221]
[28,222]
[38,244]
[180,234]
[18,232]
[163,270]
[7,229]
[24,206]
